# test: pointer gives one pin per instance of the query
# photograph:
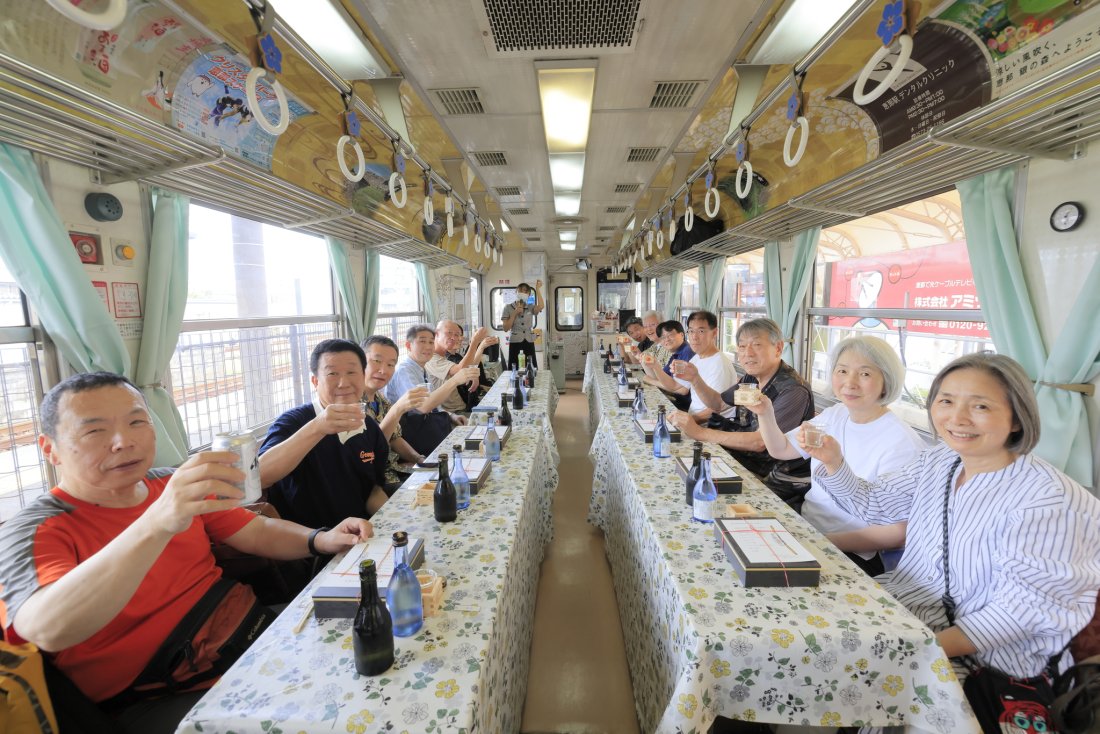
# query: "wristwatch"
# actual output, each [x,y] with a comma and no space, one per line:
[312,539]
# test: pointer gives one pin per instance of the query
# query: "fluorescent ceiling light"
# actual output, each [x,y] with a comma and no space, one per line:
[504,228]
[799,25]
[567,235]
[567,171]
[568,245]
[566,96]
[329,30]
[567,205]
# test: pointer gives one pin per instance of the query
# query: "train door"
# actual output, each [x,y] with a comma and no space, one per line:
[568,326]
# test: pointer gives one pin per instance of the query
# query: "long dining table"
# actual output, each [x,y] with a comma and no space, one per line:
[464,671]
[701,645]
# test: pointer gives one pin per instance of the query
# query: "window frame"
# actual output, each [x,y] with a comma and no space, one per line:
[558,326]
[211,410]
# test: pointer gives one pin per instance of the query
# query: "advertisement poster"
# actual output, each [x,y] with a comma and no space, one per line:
[937,277]
[209,102]
[1026,38]
[946,76]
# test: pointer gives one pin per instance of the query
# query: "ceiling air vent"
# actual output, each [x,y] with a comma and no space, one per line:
[607,228]
[534,239]
[642,155]
[491,158]
[519,211]
[627,188]
[460,101]
[616,209]
[537,25]
[507,190]
[528,229]
[673,95]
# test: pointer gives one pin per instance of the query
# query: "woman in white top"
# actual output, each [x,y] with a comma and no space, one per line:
[865,375]
[1022,538]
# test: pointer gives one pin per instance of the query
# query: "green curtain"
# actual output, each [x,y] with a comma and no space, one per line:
[710,284]
[38,252]
[370,297]
[427,292]
[672,296]
[165,301]
[339,259]
[785,310]
[1007,306]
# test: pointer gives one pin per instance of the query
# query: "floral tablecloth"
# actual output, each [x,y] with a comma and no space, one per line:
[465,671]
[542,402]
[699,644]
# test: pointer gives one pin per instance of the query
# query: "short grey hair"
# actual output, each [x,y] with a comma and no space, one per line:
[652,315]
[880,354]
[760,326]
[1019,391]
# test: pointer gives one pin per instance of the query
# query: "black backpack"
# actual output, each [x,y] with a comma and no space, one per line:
[701,230]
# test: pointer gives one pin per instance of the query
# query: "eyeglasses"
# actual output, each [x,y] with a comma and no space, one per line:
[699,332]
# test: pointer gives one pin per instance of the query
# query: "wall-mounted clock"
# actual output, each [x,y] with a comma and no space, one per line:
[1067,216]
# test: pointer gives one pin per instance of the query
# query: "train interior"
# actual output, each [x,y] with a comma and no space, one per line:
[249,177]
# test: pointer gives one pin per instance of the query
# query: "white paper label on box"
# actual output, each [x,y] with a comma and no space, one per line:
[765,541]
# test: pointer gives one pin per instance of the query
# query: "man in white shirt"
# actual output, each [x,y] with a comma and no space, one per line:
[410,372]
[448,339]
[711,370]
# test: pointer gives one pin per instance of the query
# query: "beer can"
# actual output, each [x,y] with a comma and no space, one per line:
[245,446]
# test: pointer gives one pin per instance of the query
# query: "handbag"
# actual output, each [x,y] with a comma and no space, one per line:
[25,706]
[1076,707]
[1003,704]
[202,647]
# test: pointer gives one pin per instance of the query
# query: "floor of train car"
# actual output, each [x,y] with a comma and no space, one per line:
[579,682]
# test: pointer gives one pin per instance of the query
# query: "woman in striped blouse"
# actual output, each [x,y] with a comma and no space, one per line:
[1024,539]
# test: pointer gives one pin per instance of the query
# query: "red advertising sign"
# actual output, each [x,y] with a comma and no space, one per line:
[937,277]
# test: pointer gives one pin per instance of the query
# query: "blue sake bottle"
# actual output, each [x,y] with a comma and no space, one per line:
[403,594]
[492,440]
[662,439]
[460,478]
[622,375]
[706,495]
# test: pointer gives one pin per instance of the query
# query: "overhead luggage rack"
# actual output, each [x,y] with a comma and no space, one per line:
[60,120]
[1053,117]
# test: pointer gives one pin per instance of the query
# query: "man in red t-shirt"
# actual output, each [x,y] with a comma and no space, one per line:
[100,570]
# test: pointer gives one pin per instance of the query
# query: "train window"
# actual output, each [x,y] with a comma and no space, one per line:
[398,300]
[23,473]
[903,274]
[259,300]
[742,294]
[569,308]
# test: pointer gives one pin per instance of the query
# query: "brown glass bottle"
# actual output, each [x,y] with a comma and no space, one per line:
[505,416]
[445,498]
[372,631]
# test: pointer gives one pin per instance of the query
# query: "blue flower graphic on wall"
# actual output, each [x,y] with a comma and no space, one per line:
[892,23]
[273,57]
[741,151]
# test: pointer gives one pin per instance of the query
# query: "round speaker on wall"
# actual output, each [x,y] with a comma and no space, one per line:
[103,207]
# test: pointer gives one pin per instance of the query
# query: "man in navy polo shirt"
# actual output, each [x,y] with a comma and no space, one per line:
[324,461]
[670,334]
